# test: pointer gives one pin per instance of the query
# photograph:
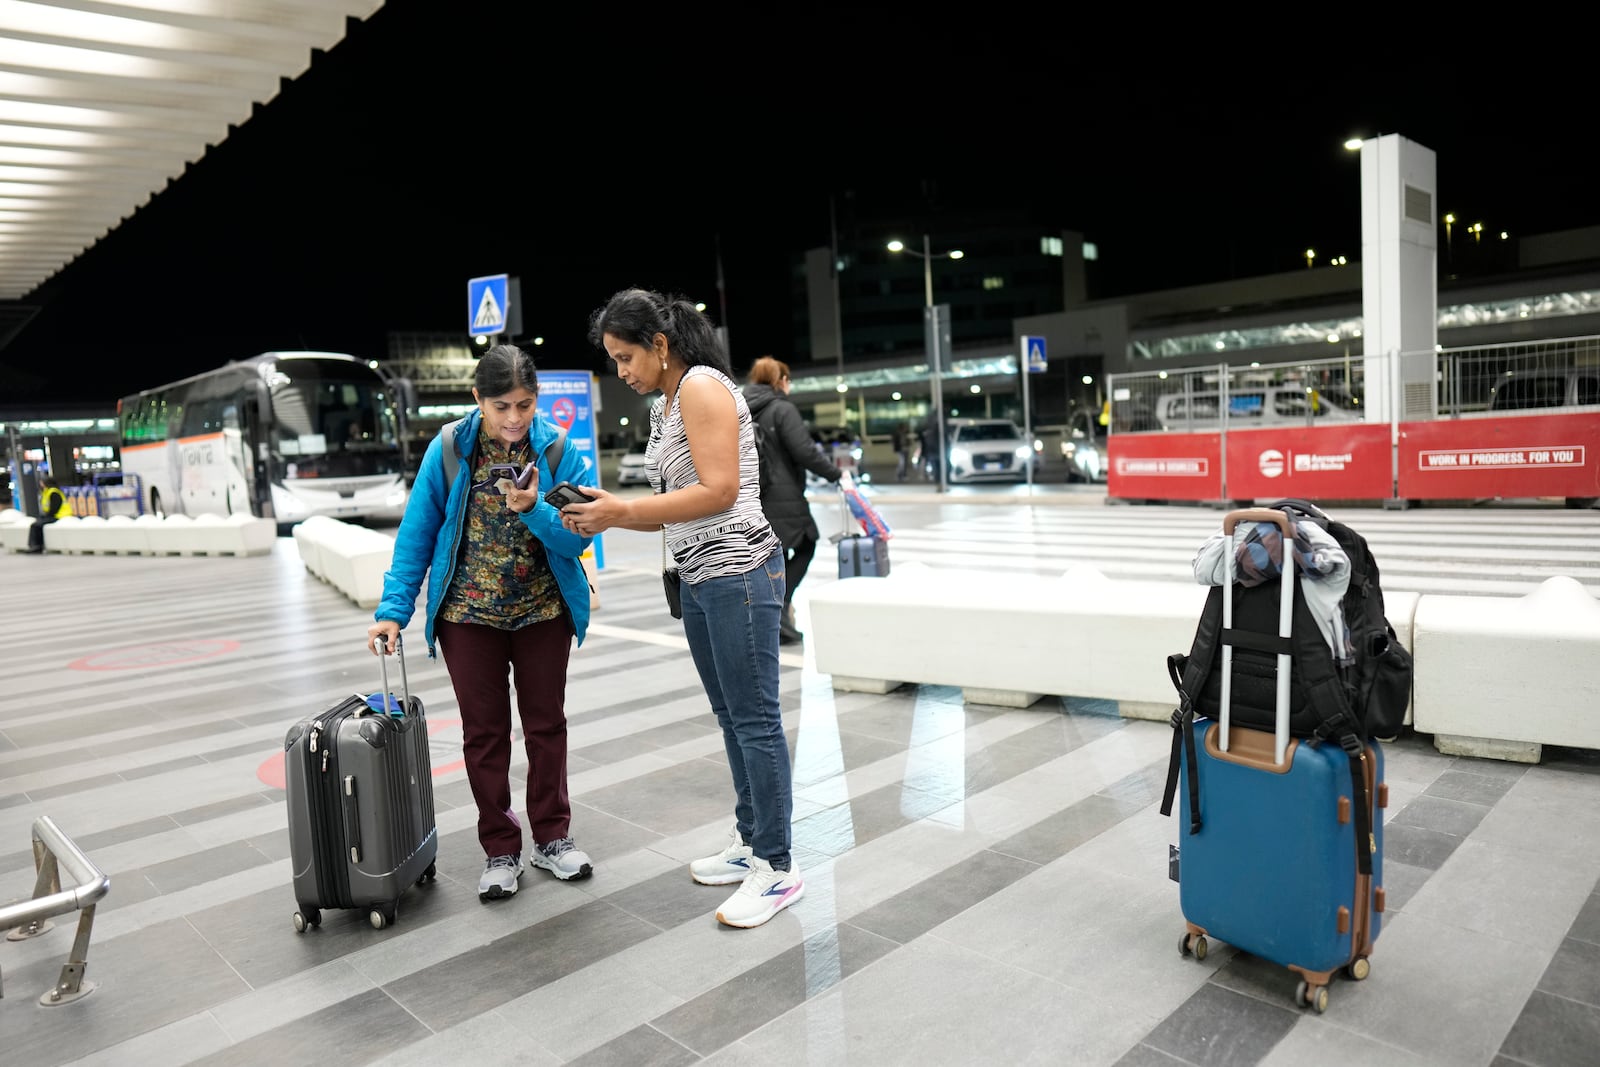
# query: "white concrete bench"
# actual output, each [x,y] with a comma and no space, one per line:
[348,557]
[1008,639]
[14,526]
[1504,676]
[308,537]
[205,535]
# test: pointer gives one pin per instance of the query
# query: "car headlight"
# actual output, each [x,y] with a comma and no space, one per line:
[1068,448]
[960,456]
[1023,451]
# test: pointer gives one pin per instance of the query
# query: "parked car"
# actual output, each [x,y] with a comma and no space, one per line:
[631,470]
[1519,390]
[1281,404]
[986,450]
[1083,448]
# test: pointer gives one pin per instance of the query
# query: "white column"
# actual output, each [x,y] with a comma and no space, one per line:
[1399,277]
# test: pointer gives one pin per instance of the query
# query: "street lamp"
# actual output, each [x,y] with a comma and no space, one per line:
[935,357]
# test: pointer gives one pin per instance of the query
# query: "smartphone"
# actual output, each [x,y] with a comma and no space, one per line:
[521,479]
[567,493]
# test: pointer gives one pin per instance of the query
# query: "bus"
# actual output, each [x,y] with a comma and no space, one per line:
[281,435]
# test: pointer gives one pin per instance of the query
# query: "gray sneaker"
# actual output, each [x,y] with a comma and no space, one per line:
[562,858]
[500,876]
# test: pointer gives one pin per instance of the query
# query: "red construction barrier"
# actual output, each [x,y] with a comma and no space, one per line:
[1164,466]
[1343,461]
[1510,456]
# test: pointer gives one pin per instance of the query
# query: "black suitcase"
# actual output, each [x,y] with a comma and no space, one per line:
[360,799]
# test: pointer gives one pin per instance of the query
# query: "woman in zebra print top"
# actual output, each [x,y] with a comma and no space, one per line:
[703,465]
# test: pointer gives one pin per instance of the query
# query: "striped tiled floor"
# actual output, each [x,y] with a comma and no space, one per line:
[984,885]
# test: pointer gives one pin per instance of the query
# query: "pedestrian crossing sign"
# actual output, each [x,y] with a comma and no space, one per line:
[1033,347]
[487,305]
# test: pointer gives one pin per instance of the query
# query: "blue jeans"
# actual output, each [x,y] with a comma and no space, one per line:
[732,627]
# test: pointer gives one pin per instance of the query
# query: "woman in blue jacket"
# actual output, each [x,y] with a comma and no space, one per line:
[506,594]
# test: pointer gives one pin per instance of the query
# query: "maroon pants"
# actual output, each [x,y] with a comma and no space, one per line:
[477,658]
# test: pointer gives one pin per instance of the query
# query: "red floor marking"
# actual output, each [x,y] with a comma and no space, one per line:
[164,654]
[271,769]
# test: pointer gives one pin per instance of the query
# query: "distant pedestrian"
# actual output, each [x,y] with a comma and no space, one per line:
[52,506]
[783,493]
[905,443]
[929,439]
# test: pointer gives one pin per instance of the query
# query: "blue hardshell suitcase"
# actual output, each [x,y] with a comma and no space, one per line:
[1273,868]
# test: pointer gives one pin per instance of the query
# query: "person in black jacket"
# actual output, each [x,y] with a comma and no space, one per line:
[783,496]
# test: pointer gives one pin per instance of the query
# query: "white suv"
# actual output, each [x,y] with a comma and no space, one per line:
[987,450]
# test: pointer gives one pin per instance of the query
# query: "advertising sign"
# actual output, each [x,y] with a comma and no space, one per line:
[1164,466]
[1345,461]
[567,397]
[1511,456]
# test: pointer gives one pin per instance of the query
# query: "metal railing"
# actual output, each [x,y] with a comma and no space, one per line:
[1322,391]
[1470,377]
[54,854]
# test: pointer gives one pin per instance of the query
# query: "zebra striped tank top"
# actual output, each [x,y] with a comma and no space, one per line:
[735,541]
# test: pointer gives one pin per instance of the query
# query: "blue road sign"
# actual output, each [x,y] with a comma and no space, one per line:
[487,304]
[1033,349]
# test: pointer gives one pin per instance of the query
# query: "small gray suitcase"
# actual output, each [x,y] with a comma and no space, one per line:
[860,555]
[863,556]
[360,800]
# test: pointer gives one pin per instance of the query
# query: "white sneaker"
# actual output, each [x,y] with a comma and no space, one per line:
[500,876]
[562,858]
[730,865]
[763,894]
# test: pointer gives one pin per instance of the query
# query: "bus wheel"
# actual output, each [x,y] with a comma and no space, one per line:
[155,504]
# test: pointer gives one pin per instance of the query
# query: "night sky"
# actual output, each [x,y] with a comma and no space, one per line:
[585,152]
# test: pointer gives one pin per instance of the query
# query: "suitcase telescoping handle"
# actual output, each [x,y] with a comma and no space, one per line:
[845,482]
[382,649]
[1285,620]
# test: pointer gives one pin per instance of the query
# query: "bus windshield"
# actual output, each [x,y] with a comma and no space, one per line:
[326,424]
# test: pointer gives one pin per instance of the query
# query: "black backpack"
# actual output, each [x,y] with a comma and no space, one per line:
[1347,704]
[767,451]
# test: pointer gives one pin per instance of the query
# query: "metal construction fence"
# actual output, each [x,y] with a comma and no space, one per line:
[1508,377]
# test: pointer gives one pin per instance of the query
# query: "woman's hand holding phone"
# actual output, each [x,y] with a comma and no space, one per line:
[598,513]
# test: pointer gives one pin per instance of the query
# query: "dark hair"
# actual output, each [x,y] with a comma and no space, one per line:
[502,369]
[768,371]
[637,315]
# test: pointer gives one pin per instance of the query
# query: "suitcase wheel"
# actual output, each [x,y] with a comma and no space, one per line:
[429,875]
[1359,968]
[381,915]
[308,917]
[1314,996]
[1196,948]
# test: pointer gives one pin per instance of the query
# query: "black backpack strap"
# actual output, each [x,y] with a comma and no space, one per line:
[554,450]
[1336,723]
[447,451]
[1182,742]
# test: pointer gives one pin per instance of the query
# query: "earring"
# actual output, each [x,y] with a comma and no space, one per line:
[663,364]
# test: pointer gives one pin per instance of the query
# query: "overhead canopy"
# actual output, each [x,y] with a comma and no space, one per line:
[103,102]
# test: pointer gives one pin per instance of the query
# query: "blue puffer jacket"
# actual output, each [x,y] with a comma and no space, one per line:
[427,543]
